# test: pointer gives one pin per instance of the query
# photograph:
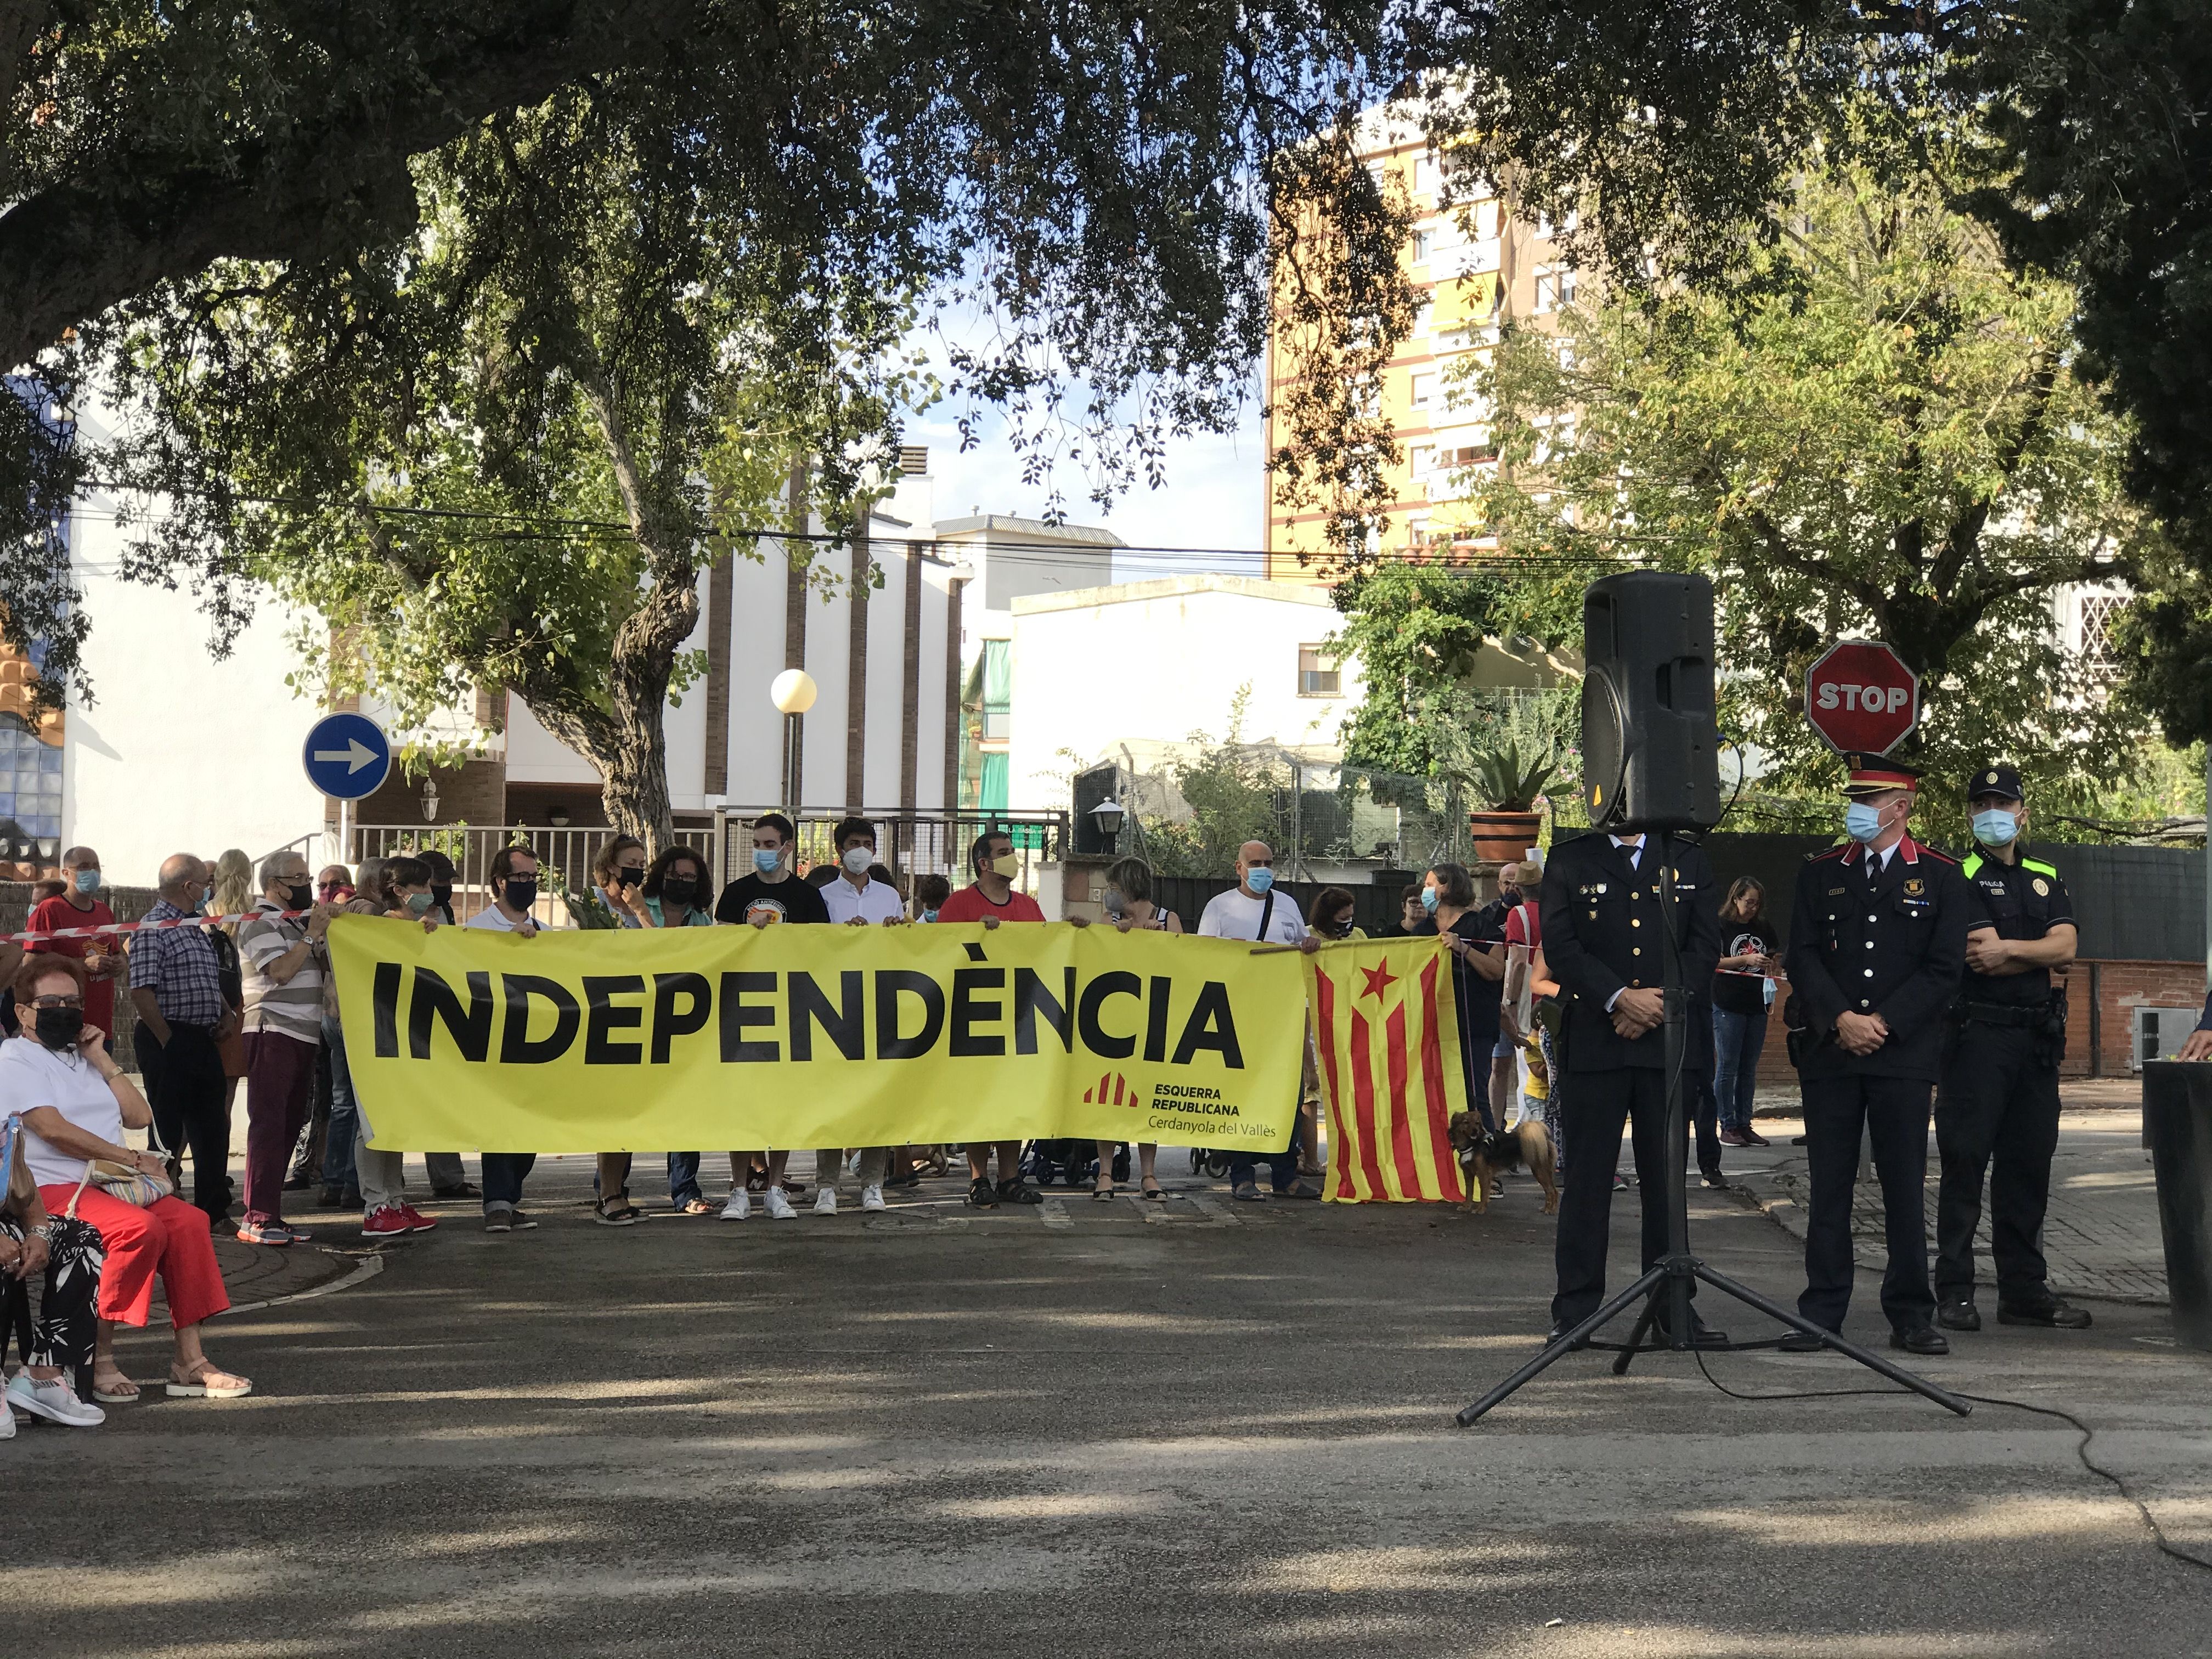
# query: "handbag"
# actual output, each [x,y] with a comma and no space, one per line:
[124,1181]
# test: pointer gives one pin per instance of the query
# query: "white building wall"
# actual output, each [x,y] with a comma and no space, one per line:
[178,752]
[1156,661]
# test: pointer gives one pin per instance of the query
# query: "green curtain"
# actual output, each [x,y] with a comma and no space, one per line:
[993,799]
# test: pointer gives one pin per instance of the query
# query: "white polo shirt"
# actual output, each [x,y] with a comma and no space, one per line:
[878,901]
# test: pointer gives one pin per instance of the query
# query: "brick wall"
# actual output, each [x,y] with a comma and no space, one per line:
[2119,988]
[473,793]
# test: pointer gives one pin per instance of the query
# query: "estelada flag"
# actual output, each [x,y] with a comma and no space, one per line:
[1388,1036]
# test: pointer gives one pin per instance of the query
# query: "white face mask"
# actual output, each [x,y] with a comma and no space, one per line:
[857,859]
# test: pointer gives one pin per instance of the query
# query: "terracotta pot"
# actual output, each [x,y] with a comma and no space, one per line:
[1503,837]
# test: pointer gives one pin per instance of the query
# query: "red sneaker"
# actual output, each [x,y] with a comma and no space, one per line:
[417,1221]
[386,1223]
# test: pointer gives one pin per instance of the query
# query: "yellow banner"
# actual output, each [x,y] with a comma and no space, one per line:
[713,1038]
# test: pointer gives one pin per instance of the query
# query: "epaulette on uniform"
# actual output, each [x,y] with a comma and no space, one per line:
[2037,867]
[1938,853]
[1835,851]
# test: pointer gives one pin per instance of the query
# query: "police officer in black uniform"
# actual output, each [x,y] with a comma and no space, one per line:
[1603,919]
[1999,1092]
[1877,942]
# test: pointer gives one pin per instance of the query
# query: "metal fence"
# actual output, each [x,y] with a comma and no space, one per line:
[565,853]
[909,843]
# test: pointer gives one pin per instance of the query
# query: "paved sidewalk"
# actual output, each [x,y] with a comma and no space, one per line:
[2100,1234]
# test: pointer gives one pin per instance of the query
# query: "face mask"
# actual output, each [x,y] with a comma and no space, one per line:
[1260,879]
[88,881]
[207,897]
[856,860]
[418,904]
[1429,900]
[442,896]
[1861,821]
[1112,905]
[929,915]
[1995,827]
[627,877]
[58,1028]
[678,889]
[520,892]
[299,898]
[765,861]
[1009,866]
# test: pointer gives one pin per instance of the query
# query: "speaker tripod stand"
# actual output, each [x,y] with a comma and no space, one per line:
[1665,1287]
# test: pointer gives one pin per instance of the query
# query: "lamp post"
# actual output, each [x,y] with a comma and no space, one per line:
[792,692]
[1107,816]
[429,801]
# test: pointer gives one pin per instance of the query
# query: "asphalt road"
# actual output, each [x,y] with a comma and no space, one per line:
[1089,1429]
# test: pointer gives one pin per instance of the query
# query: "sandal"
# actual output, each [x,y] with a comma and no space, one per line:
[628,1216]
[204,1382]
[1104,1194]
[111,1395]
[1249,1193]
[695,1206]
[1156,1193]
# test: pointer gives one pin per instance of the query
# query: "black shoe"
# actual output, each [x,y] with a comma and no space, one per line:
[1715,1178]
[349,1199]
[1559,1331]
[1801,1342]
[1926,1339]
[1018,1191]
[464,1190]
[297,1182]
[330,1198]
[2054,1314]
[1701,1335]
[983,1194]
[1959,1313]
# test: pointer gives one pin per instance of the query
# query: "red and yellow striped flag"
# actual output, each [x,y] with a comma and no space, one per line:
[1388,1036]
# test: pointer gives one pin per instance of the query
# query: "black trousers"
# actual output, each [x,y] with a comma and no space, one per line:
[1597,1104]
[1999,1097]
[185,1087]
[69,1301]
[1893,1110]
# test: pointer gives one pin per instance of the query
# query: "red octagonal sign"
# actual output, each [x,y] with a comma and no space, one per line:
[1862,698]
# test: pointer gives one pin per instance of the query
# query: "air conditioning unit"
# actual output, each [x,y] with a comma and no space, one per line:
[2160,1033]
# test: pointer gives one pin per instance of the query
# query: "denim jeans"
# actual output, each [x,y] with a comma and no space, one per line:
[337,1148]
[1737,1039]
[503,1176]
[684,1178]
[1283,1167]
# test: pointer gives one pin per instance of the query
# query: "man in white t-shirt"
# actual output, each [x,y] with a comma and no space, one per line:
[1253,909]
[857,899]
[513,879]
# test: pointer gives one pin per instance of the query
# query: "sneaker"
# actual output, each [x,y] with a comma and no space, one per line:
[270,1232]
[53,1400]
[740,1207]
[7,1421]
[390,1222]
[825,1201]
[523,1223]
[871,1198]
[779,1207]
[417,1221]
[501,1220]
[1714,1178]
[983,1194]
[1753,1138]
[1735,1138]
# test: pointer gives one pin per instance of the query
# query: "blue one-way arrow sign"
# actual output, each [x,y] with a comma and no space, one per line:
[347,755]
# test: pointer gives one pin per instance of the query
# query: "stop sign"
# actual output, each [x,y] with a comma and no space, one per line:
[1860,698]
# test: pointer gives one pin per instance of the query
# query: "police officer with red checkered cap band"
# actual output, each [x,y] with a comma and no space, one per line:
[1877,943]
[1998,1096]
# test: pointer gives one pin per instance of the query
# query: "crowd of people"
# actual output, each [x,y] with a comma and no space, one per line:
[251,998]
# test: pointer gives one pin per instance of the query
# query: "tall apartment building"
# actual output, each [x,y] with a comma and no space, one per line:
[1501,265]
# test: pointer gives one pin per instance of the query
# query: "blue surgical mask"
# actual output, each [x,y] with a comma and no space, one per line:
[1861,822]
[1429,900]
[88,881]
[1996,827]
[929,915]
[765,861]
[1259,879]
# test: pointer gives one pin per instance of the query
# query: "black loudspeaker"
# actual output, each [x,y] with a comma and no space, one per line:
[1650,749]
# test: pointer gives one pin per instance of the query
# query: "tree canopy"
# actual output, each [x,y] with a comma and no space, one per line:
[1883,436]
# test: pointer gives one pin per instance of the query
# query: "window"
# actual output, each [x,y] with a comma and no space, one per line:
[2099,612]
[1424,244]
[30,795]
[1428,176]
[1423,391]
[1318,676]
[1485,221]
[1547,289]
[998,691]
[1424,313]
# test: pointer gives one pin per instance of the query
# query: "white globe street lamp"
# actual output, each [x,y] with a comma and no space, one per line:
[792,692]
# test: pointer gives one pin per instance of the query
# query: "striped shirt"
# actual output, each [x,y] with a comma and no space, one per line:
[179,966]
[294,1009]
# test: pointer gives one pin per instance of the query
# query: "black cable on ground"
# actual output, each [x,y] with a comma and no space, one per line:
[2166,1545]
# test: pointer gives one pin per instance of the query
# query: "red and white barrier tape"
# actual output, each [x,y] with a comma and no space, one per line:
[151,927]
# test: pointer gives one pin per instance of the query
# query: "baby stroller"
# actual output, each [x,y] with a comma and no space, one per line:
[1075,1162]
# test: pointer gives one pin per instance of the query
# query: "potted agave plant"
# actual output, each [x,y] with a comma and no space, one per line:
[1510,782]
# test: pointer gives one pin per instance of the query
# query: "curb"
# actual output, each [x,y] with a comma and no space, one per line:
[368,1269]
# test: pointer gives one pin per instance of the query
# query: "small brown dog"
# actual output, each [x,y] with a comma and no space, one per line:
[1483,1154]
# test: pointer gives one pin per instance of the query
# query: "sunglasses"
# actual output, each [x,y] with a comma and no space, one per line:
[57,1002]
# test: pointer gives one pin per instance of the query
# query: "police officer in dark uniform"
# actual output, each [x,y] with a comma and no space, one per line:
[1877,942]
[1999,1093]
[1603,919]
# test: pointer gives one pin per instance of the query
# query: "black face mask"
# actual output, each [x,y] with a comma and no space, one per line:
[627,877]
[678,890]
[520,892]
[442,896]
[58,1028]
[300,897]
